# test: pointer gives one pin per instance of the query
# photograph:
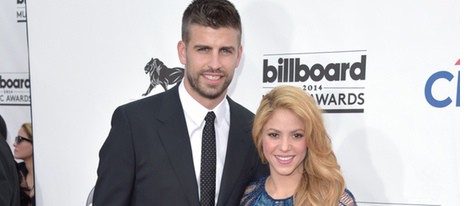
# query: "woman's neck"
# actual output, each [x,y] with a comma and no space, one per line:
[280,187]
[29,166]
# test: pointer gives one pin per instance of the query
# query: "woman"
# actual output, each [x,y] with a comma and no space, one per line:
[289,134]
[24,151]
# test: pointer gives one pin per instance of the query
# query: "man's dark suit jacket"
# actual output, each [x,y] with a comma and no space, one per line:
[9,183]
[147,159]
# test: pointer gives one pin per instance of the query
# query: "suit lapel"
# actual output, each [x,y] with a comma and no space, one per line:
[175,140]
[237,150]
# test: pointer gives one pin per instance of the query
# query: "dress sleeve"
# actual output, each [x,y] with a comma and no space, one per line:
[347,199]
[251,193]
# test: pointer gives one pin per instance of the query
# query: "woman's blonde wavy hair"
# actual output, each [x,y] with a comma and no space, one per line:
[322,182]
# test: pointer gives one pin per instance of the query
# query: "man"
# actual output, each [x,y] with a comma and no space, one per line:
[152,155]
[9,183]
[3,127]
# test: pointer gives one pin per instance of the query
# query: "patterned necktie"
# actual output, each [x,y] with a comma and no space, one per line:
[208,161]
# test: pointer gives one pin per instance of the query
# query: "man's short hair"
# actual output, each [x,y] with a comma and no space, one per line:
[210,13]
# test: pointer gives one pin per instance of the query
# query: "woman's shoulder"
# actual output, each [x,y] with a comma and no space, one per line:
[255,185]
[252,191]
[347,199]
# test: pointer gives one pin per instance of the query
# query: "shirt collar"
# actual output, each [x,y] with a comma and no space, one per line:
[195,112]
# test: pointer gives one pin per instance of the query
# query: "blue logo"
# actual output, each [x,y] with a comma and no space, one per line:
[445,75]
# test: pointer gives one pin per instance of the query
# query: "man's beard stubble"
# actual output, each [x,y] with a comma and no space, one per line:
[210,92]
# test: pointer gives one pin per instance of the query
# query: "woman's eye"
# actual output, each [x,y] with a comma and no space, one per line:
[298,135]
[274,135]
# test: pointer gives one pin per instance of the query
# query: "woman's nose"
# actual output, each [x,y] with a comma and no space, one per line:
[285,144]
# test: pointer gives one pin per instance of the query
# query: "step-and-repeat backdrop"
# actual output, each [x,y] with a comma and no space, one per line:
[15,99]
[386,73]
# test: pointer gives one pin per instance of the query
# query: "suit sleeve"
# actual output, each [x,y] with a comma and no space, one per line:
[116,169]
[9,185]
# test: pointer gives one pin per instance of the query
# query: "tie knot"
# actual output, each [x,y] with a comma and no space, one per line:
[210,117]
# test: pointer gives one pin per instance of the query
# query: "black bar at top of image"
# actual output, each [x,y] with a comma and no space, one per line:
[343,110]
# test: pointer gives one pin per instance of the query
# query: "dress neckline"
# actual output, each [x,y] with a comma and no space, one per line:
[263,184]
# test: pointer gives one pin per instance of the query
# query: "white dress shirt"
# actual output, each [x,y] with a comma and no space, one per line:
[194,114]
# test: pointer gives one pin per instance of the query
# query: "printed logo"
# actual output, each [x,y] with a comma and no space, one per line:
[334,79]
[162,75]
[14,89]
[20,11]
[435,89]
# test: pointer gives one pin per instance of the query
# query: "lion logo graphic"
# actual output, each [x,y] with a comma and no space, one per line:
[161,74]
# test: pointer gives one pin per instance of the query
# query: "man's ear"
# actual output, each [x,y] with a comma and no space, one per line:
[182,52]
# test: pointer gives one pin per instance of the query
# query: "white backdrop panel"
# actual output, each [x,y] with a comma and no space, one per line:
[14,95]
[88,57]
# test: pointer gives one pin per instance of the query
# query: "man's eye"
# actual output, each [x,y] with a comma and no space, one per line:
[227,51]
